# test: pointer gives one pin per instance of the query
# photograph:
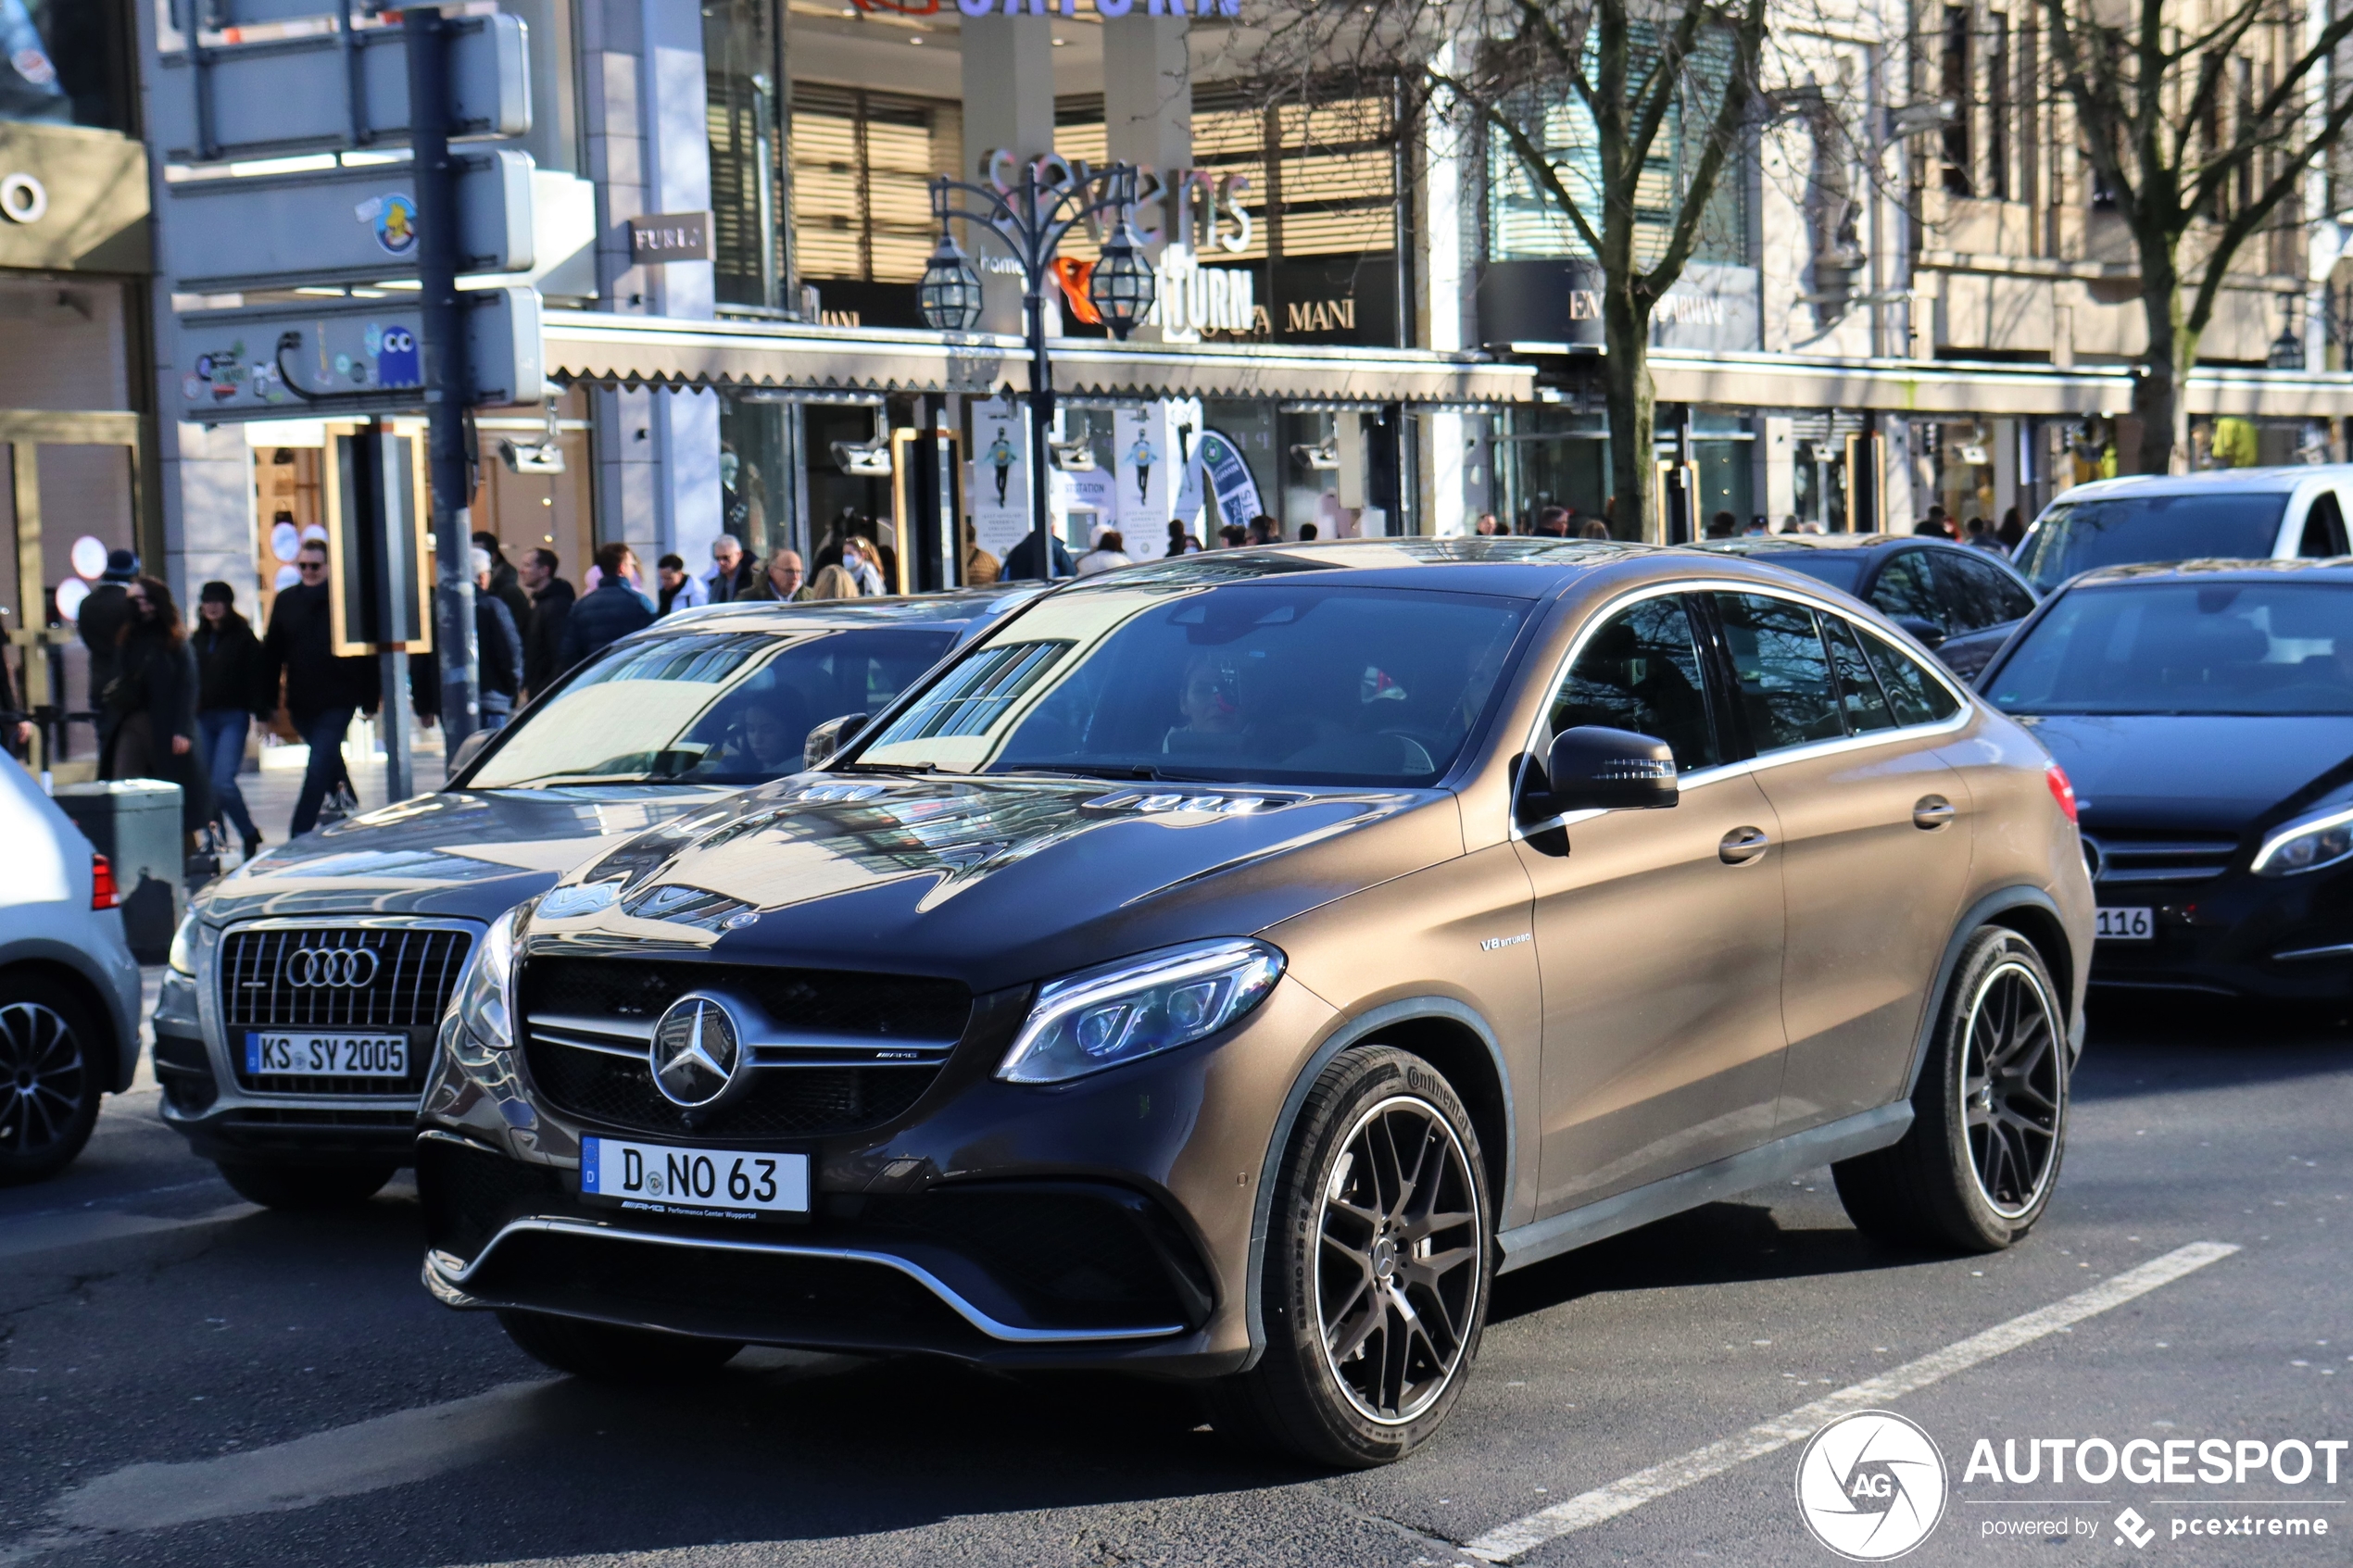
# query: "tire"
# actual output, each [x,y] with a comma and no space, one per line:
[605,1352]
[1982,1159]
[1380,1200]
[306,1189]
[50,1077]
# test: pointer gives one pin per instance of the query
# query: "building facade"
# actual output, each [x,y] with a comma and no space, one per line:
[1368,322]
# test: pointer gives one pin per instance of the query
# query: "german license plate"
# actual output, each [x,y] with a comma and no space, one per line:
[327,1056]
[2125,926]
[699,1181]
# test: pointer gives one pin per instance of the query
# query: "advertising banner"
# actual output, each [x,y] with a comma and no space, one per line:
[999,488]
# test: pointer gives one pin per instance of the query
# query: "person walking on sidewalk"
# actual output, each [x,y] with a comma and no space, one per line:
[153,702]
[610,612]
[543,634]
[499,646]
[321,690]
[228,699]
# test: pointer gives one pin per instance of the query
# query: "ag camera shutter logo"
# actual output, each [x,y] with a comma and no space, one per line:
[1871,1485]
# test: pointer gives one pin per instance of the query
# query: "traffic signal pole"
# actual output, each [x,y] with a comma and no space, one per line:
[449,379]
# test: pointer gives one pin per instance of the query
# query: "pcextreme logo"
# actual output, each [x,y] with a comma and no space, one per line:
[1871,1485]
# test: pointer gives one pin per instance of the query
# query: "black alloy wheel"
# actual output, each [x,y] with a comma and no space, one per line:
[1379,1257]
[49,1086]
[1978,1165]
[2012,1086]
[1398,1276]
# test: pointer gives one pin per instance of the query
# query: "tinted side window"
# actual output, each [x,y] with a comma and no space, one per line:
[1979,591]
[1642,671]
[2323,528]
[1858,690]
[1918,697]
[1902,590]
[1784,673]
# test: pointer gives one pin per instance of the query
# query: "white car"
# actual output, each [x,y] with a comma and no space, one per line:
[2231,514]
[69,985]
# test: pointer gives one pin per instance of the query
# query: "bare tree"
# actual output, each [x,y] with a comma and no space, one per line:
[1660,96]
[2200,138]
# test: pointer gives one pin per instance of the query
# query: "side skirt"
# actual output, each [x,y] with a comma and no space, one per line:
[1775,1161]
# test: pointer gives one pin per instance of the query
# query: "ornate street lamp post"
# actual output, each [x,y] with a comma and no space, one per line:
[1031,220]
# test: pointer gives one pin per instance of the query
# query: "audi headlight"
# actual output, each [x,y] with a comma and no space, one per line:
[2307,846]
[1138,1007]
[183,956]
[484,1000]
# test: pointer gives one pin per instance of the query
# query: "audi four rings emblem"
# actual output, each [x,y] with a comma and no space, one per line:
[350,967]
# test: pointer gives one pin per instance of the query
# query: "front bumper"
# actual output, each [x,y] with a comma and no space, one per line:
[205,1100]
[1103,1223]
[2274,938]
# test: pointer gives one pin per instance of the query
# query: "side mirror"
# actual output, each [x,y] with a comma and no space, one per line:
[830,737]
[1927,632]
[1592,769]
[468,749]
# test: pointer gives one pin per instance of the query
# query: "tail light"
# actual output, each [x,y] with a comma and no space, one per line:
[102,889]
[2061,790]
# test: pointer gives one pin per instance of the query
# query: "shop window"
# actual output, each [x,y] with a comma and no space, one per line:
[861,168]
[1525,223]
[64,62]
[1997,106]
[1960,84]
[1322,194]
[742,57]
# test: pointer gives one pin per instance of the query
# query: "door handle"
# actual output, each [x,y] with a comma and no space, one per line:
[1742,845]
[1930,812]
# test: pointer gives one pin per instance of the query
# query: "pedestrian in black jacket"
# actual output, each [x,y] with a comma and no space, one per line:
[497,647]
[611,612]
[322,692]
[505,580]
[153,699]
[229,698]
[105,612]
[543,630]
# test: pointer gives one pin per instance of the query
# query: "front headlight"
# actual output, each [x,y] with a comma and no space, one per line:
[183,956]
[1138,1007]
[2306,845]
[482,1003]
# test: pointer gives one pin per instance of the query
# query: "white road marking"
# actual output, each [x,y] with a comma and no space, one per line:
[391,1450]
[1507,1541]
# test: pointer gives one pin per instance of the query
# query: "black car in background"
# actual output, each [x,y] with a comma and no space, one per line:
[2205,712]
[1959,601]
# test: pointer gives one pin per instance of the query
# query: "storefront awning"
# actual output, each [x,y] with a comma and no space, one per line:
[1955,387]
[750,356]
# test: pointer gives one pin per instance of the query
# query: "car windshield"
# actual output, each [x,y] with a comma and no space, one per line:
[1840,569]
[1266,681]
[2175,647]
[706,708]
[2131,528]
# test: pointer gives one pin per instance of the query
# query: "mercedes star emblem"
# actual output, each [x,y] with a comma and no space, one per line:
[696,1052]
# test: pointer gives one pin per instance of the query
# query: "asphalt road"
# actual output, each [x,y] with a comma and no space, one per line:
[184,1379]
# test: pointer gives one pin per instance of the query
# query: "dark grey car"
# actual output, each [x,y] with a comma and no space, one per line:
[295,1026]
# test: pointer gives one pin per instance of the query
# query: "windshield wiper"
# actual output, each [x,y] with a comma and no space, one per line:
[1137,771]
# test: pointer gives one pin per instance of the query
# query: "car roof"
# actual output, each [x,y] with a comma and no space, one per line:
[1512,567]
[2336,570]
[952,608]
[2207,482]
